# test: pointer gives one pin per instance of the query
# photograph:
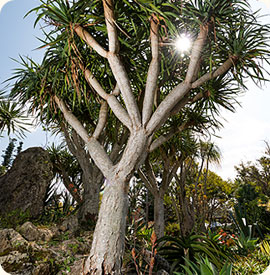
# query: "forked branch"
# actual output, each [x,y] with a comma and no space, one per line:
[96,151]
[196,52]
[164,138]
[219,71]
[114,104]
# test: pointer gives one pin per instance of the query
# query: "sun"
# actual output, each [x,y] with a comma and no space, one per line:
[183,43]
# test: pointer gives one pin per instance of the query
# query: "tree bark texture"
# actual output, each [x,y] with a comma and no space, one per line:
[109,236]
[159,224]
[88,211]
[92,177]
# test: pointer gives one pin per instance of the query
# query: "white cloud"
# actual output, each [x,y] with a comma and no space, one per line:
[2,3]
[267,2]
[242,140]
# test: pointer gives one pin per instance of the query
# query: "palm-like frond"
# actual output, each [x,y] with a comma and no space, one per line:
[12,117]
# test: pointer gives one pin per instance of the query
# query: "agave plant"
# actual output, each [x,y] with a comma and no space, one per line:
[203,266]
[265,247]
[176,249]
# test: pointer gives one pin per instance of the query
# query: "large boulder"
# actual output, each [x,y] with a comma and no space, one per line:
[23,187]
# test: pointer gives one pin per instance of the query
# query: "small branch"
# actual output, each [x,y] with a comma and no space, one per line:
[151,175]
[117,66]
[116,90]
[147,183]
[110,23]
[118,147]
[186,100]
[101,120]
[164,138]
[89,39]
[152,75]
[70,144]
[72,120]
[219,71]
[173,171]
[76,146]
[163,111]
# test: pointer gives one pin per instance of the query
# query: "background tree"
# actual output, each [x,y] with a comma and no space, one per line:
[257,174]
[252,194]
[9,155]
[12,117]
[191,192]
[116,53]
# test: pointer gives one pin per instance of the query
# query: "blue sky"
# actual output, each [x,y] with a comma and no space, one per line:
[243,133]
[19,38]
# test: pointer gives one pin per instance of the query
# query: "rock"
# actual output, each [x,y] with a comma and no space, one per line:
[59,256]
[24,186]
[29,231]
[74,247]
[70,224]
[32,233]
[42,269]
[13,256]
[16,262]
[10,240]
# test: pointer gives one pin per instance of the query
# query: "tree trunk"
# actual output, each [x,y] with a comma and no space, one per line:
[159,225]
[109,237]
[108,241]
[92,178]
[187,224]
[92,182]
